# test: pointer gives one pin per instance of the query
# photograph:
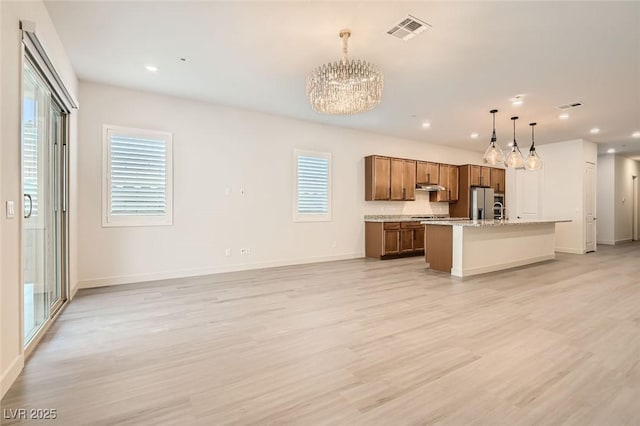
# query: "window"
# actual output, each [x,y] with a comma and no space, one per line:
[137,181]
[312,192]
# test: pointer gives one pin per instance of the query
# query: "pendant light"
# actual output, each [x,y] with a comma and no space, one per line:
[514,158]
[533,160]
[493,155]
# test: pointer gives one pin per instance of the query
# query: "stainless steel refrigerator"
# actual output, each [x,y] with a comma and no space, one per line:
[482,200]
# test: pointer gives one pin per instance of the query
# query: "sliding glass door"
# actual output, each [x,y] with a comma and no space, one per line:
[43,169]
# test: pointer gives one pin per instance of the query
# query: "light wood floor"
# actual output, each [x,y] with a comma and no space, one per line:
[351,342]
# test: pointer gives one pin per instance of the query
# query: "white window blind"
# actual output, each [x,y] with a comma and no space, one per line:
[313,186]
[138,177]
[30,164]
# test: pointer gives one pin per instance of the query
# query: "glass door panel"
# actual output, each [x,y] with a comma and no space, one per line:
[41,224]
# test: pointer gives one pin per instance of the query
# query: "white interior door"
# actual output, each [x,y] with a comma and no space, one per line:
[590,206]
[528,194]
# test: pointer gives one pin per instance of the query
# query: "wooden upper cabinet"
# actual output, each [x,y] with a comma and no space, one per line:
[479,175]
[397,173]
[498,181]
[377,179]
[474,175]
[485,176]
[389,179]
[454,183]
[409,180]
[427,172]
[448,179]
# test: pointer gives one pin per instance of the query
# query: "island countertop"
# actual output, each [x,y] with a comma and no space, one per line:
[490,222]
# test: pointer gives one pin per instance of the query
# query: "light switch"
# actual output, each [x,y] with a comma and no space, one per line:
[227,191]
[11,211]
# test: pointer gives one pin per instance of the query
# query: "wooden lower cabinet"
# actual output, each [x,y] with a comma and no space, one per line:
[386,240]
[391,242]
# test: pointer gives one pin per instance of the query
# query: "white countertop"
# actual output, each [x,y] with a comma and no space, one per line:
[404,217]
[491,222]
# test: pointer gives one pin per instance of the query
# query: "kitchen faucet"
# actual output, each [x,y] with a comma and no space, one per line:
[501,209]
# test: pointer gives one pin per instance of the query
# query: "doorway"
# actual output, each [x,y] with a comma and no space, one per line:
[590,206]
[44,226]
[634,214]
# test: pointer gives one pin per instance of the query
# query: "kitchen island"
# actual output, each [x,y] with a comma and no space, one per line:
[470,247]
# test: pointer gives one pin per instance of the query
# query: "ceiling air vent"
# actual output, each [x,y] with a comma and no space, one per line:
[408,28]
[569,106]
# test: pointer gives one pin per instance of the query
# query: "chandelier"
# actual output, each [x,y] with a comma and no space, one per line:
[345,87]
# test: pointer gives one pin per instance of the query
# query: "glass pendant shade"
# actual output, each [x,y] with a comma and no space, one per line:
[493,154]
[514,159]
[345,87]
[533,162]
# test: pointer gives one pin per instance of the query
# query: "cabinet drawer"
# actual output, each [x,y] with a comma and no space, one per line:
[392,225]
[411,225]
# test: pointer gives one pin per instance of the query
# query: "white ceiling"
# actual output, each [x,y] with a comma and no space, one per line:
[257,55]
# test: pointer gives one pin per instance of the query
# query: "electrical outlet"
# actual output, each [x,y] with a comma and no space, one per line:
[227,191]
[334,244]
[227,252]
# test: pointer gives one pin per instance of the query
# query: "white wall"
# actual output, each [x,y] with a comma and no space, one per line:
[561,186]
[11,359]
[217,147]
[625,169]
[605,200]
[615,205]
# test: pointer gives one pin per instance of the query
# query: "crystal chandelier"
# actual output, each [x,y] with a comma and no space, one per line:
[514,158]
[533,162]
[493,155]
[345,87]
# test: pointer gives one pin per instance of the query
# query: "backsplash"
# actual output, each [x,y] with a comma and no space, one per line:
[420,205]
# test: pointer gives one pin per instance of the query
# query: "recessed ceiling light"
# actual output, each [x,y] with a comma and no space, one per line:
[564,116]
[594,131]
[635,135]
[426,125]
[517,100]
[611,151]
[474,135]
[151,68]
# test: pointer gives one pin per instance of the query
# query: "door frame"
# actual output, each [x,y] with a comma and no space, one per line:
[587,165]
[32,51]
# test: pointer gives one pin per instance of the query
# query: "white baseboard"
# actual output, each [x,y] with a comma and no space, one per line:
[624,241]
[74,290]
[185,273]
[570,250]
[500,266]
[12,373]
[607,242]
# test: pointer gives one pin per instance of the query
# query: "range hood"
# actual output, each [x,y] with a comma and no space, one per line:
[429,187]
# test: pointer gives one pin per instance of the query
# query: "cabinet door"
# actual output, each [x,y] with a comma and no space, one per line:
[418,239]
[444,181]
[454,183]
[474,172]
[427,172]
[498,180]
[485,176]
[391,241]
[409,180]
[397,172]
[381,178]
[406,240]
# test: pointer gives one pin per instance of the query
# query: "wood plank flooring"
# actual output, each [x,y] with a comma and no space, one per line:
[352,342]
